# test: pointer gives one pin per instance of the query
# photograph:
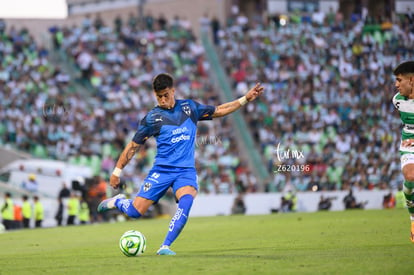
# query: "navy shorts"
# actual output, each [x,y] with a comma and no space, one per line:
[160,178]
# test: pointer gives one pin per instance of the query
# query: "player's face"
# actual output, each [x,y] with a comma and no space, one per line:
[165,98]
[404,84]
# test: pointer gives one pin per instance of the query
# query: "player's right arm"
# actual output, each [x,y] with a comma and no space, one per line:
[127,154]
[145,130]
[230,107]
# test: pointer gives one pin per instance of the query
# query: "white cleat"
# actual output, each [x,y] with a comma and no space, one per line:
[109,204]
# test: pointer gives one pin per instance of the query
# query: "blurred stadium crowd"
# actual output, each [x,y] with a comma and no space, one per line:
[328,95]
[117,64]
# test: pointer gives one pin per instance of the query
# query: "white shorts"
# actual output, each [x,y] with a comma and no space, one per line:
[406,159]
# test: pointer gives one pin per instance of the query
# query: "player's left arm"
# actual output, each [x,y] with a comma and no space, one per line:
[230,107]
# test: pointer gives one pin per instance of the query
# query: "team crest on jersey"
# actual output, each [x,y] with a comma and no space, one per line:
[147,186]
[187,110]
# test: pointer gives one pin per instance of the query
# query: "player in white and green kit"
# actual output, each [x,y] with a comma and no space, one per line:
[404,102]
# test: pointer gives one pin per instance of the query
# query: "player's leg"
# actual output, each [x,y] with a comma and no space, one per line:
[153,188]
[185,189]
[407,163]
[125,205]
[134,208]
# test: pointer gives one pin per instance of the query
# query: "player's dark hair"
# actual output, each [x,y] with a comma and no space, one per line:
[162,82]
[404,68]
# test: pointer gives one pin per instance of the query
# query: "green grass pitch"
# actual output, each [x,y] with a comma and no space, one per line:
[349,242]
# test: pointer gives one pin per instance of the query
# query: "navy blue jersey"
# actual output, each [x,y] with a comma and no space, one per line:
[175,131]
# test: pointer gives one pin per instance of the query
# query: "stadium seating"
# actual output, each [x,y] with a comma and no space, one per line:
[117,68]
[328,95]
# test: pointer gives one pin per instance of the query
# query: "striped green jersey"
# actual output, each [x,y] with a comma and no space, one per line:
[405,107]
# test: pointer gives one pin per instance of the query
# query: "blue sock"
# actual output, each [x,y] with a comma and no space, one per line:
[180,219]
[126,206]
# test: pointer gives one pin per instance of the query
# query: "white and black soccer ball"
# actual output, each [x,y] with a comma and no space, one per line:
[132,243]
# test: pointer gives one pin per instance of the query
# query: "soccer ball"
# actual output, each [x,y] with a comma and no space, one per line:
[132,243]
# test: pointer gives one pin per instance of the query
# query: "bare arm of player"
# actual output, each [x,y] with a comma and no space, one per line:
[127,154]
[408,142]
[230,107]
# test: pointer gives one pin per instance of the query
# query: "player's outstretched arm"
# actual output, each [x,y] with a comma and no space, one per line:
[230,107]
[127,154]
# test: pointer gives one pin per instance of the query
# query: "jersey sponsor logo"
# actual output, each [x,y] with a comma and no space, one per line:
[180,138]
[179,130]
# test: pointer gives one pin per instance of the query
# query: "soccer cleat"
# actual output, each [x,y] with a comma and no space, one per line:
[412,232]
[109,204]
[165,250]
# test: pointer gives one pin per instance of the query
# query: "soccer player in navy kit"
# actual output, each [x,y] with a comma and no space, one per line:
[173,123]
